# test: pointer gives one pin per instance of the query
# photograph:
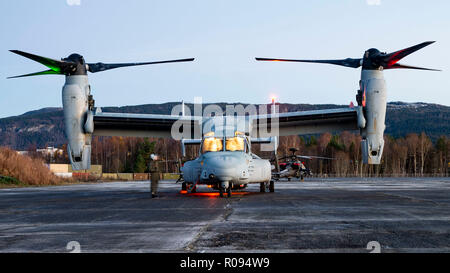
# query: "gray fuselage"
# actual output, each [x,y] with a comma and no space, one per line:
[225,167]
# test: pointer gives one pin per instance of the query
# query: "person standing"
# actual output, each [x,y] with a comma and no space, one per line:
[155,174]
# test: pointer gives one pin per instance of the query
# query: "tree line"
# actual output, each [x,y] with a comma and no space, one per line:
[413,155]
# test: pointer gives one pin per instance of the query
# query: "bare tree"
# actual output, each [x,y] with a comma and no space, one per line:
[412,141]
[424,147]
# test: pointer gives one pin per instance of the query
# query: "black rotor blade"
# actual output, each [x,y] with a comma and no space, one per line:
[397,65]
[46,72]
[314,157]
[97,67]
[54,65]
[392,58]
[349,62]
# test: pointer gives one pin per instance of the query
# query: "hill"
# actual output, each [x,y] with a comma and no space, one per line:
[44,127]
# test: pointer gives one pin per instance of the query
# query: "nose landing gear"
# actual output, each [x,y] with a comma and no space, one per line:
[225,187]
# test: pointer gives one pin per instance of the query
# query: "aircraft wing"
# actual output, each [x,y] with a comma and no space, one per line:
[306,122]
[290,123]
[139,125]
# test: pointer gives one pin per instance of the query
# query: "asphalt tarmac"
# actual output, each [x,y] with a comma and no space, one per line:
[318,215]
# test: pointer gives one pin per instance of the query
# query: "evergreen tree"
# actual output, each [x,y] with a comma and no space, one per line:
[139,165]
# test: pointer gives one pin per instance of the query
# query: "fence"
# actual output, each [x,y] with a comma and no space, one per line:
[136,176]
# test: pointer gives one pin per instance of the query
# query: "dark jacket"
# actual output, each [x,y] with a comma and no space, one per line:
[156,166]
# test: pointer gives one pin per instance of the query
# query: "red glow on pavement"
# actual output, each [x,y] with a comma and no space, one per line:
[213,194]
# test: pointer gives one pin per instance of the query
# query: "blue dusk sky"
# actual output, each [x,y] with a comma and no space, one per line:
[224,37]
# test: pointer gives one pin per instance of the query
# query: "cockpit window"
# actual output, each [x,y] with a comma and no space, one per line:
[235,144]
[212,144]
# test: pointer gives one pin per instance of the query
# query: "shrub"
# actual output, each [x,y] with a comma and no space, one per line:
[6,180]
[16,168]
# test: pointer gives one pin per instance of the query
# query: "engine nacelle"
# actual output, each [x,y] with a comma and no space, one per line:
[78,121]
[374,104]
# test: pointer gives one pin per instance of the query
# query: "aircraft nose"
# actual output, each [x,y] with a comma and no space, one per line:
[223,167]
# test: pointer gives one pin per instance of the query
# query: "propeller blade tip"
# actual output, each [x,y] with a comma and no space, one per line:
[265,59]
[427,43]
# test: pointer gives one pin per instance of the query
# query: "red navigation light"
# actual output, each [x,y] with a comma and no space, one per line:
[364,98]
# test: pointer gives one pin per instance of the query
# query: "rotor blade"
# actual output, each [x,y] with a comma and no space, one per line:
[54,65]
[314,157]
[46,72]
[304,157]
[97,67]
[396,56]
[349,62]
[398,65]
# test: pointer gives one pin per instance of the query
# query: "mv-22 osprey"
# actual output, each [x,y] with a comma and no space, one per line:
[226,159]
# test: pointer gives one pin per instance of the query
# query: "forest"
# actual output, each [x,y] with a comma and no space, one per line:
[413,155]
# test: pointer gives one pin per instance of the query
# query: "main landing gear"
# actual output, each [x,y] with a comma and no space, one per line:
[263,186]
[190,187]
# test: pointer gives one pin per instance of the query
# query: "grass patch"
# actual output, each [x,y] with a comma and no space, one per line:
[6,180]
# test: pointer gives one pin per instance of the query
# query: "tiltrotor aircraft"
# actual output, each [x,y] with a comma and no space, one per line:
[225,160]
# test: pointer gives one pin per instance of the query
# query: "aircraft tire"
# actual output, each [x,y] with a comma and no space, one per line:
[271,186]
[183,186]
[229,191]
[220,191]
[262,187]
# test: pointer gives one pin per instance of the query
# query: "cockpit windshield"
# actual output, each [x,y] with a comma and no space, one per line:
[212,144]
[234,144]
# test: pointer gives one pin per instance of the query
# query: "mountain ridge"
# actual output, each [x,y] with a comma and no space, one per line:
[44,127]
